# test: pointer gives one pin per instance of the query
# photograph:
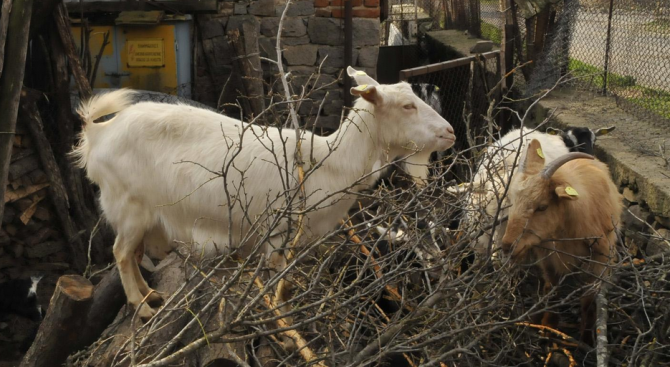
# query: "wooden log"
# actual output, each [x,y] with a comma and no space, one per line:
[64,321]
[65,33]
[11,82]
[108,298]
[58,194]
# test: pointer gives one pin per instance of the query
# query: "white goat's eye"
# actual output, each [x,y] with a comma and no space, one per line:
[409,106]
[541,208]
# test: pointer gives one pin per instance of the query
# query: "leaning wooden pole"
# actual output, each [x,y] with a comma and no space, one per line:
[11,82]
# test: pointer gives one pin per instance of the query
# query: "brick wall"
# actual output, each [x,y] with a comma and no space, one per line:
[313,35]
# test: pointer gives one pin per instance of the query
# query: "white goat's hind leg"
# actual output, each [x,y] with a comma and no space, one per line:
[124,253]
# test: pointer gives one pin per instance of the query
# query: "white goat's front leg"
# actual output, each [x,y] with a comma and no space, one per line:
[416,166]
[125,245]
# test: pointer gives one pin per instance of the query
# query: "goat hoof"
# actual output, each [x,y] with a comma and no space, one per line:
[145,312]
[154,299]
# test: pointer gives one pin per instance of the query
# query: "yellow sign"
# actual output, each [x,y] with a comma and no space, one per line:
[148,52]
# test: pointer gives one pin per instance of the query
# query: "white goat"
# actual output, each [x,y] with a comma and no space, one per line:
[488,183]
[159,168]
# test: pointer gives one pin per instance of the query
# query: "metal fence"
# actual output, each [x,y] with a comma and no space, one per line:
[464,87]
[619,48]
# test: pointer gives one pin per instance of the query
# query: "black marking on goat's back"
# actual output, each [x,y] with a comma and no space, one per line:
[585,139]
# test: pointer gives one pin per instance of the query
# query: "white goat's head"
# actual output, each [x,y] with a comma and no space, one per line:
[404,118]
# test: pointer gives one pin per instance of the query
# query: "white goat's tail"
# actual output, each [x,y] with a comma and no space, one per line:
[98,106]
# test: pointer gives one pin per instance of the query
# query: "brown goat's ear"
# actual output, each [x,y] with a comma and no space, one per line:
[368,92]
[566,191]
[534,158]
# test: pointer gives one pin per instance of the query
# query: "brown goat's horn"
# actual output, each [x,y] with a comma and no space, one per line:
[552,167]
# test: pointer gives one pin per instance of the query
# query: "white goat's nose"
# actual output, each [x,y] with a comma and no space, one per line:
[450,130]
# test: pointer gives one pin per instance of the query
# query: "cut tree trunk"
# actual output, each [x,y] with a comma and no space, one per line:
[57,192]
[59,332]
[11,82]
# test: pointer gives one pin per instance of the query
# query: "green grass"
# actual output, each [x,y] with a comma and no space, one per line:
[491,32]
[658,25]
[596,75]
[653,100]
[625,87]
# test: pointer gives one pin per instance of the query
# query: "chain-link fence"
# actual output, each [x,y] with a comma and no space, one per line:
[619,48]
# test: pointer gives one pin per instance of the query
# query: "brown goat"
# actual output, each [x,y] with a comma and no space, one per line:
[563,219]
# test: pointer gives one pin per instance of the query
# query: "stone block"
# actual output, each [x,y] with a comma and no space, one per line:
[292,27]
[328,31]
[323,12]
[267,47]
[366,32]
[630,221]
[658,245]
[663,221]
[333,107]
[300,55]
[295,41]
[298,8]
[240,8]
[481,47]
[367,56]
[321,3]
[265,8]
[335,56]
[213,27]
[630,195]
[330,123]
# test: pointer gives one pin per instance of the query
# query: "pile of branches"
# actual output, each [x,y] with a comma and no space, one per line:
[399,284]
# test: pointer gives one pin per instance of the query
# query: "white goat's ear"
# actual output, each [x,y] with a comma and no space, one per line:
[368,92]
[361,77]
[604,131]
[553,131]
[565,191]
[534,160]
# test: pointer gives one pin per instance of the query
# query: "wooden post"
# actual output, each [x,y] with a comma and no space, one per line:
[4,23]
[11,82]
[63,26]
[59,332]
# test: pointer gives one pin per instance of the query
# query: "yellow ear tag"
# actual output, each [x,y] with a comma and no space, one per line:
[360,72]
[437,89]
[539,152]
[362,87]
[571,191]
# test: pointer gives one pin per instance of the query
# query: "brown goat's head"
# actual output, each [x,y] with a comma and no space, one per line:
[535,196]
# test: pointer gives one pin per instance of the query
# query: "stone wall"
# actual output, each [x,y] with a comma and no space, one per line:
[312,36]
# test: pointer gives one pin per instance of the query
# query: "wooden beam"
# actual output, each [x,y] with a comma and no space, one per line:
[11,82]
[201,6]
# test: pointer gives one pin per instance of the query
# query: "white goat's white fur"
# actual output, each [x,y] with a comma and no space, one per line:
[495,167]
[158,167]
